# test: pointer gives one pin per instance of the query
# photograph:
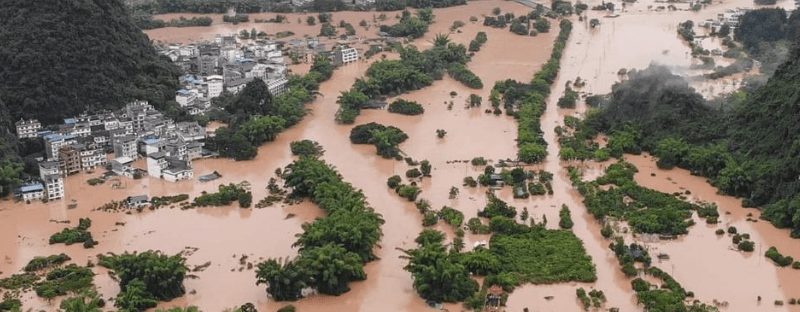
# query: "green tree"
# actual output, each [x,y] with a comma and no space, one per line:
[670,152]
[311,21]
[331,268]
[135,298]
[327,30]
[160,275]
[531,152]
[87,301]
[285,282]
[441,40]
[426,15]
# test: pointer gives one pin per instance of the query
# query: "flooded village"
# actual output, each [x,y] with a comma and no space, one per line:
[136,154]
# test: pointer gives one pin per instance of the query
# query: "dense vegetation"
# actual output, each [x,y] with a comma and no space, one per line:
[63,280]
[146,278]
[79,234]
[476,44]
[518,254]
[410,26]
[83,55]
[438,275]
[306,148]
[414,70]
[10,163]
[646,210]
[146,21]
[749,150]
[405,107]
[385,138]
[760,29]
[38,263]
[254,116]
[226,195]
[529,101]
[333,249]
[462,74]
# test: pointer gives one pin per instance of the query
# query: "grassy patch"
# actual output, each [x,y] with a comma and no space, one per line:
[544,256]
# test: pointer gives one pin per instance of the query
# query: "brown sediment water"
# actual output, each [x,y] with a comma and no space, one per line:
[222,235]
[709,264]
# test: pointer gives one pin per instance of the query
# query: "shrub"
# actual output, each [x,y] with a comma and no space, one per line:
[430,219]
[305,148]
[470,181]
[408,192]
[720,231]
[565,221]
[607,231]
[451,216]
[747,246]
[639,284]
[731,230]
[779,259]
[413,173]
[404,107]
[394,181]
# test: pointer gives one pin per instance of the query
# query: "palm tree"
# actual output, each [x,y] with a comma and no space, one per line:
[441,40]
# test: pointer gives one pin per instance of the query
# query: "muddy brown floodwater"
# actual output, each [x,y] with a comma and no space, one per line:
[701,261]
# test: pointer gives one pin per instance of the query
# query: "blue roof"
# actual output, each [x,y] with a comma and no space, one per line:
[45,132]
[243,60]
[184,91]
[32,188]
[70,121]
[191,79]
[55,137]
[151,141]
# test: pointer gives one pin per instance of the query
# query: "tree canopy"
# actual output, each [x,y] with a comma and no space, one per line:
[62,58]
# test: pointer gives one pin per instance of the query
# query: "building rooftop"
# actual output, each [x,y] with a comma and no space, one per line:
[70,121]
[123,160]
[32,188]
[55,137]
[151,141]
[157,155]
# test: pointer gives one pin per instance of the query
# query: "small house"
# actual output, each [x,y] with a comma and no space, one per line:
[32,191]
[137,201]
[122,166]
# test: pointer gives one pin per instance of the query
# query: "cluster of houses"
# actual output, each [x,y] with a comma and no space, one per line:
[226,64]
[84,143]
[138,130]
[728,18]
[307,3]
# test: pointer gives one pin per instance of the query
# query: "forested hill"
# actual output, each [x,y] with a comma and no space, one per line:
[62,57]
[751,151]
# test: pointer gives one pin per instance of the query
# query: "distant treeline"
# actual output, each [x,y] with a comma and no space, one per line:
[760,28]
[148,22]
[257,6]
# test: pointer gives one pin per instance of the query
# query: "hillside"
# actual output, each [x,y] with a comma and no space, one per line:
[660,104]
[752,151]
[62,57]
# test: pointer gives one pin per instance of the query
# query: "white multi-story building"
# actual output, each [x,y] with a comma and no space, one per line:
[53,142]
[365,2]
[28,128]
[32,191]
[301,3]
[277,86]
[156,162]
[185,97]
[214,84]
[346,55]
[53,182]
[125,147]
